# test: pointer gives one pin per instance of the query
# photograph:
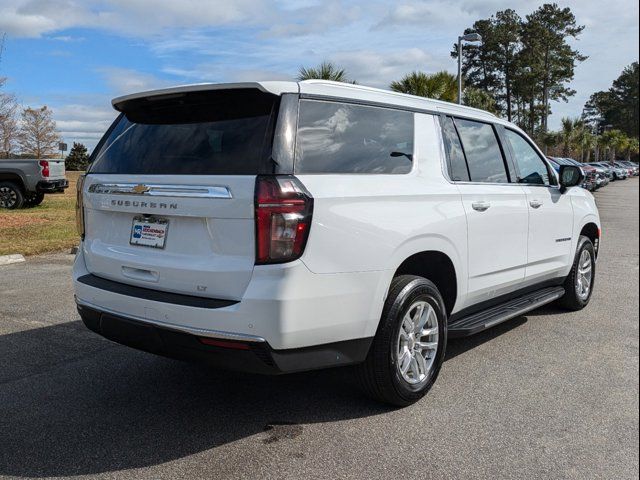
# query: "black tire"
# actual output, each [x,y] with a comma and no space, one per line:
[379,375]
[11,196]
[572,299]
[34,199]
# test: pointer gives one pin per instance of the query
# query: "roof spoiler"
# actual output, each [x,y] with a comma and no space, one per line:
[275,88]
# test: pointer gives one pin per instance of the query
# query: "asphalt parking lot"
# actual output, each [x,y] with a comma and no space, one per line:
[547,395]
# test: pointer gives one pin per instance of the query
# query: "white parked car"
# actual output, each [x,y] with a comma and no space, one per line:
[279,226]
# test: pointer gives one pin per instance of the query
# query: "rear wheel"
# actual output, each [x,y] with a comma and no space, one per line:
[409,347]
[579,283]
[34,199]
[11,196]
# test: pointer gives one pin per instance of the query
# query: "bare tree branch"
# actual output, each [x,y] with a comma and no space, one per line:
[38,134]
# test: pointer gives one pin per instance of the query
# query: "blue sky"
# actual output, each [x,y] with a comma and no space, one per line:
[75,55]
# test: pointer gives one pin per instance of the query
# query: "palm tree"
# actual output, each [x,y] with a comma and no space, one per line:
[583,139]
[569,134]
[549,140]
[633,148]
[621,143]
[324,71]
[612,140]
[587,143]
[603,142]
[440,86]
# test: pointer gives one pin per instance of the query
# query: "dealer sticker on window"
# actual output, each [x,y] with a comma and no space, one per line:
[149,232]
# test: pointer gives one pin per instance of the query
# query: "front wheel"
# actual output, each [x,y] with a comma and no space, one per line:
[579,283]
[409,347]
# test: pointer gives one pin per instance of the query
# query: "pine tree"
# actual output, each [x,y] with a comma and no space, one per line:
[78,158]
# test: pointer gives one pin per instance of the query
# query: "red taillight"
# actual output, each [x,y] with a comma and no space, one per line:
[80,207]
[45,168]
[224,343]
[283,218]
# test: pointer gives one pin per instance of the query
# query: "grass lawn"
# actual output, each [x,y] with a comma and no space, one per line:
[47,228]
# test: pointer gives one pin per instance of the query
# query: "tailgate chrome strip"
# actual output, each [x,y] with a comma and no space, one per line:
[158,190]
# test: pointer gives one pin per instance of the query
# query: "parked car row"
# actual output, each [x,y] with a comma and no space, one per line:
[631,167]
[599,174]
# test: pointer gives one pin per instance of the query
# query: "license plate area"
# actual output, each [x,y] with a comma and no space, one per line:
[149,231]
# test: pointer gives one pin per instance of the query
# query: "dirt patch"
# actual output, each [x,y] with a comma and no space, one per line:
[281,430]
[7,222]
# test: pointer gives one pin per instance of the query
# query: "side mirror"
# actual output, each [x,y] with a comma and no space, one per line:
[570,176]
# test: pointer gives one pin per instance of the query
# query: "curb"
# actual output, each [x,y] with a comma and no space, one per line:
[9,259]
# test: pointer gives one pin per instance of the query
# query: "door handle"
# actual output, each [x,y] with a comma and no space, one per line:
[480,206]
[535,203]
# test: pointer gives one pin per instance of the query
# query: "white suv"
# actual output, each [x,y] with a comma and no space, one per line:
[276,227]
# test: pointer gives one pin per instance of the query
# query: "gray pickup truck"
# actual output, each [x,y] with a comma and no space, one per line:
[24,182]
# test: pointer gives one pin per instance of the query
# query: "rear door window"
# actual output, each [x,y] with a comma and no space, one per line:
[457,164]
[225,132]
[346,138]
[482,151]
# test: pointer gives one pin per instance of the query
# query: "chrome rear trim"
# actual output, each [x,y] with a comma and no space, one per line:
[158,190]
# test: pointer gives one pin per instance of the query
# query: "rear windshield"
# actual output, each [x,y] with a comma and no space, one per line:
[227,132]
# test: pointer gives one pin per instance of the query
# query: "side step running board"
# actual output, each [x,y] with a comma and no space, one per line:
[477,322]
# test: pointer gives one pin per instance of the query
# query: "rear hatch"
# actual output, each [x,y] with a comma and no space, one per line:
[169,197]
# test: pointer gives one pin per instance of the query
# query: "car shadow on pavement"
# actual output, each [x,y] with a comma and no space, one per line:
[73,403]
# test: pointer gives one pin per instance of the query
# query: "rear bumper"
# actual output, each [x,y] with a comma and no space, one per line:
[251,355]
[52,186]
[285,306]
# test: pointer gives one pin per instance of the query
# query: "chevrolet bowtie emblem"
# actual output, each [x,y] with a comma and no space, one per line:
[140,189]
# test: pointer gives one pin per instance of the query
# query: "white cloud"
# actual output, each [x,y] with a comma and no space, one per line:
[423,14]
[32,18]
[214,72]
[155,19]
[67,38]
[368,67]
[124,80]
[316,18]
[379,69]
[138,18]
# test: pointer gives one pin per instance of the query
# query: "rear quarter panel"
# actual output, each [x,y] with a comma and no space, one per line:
[365,223]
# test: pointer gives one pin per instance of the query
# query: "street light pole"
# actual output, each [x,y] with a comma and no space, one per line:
[459,70]
[469,37]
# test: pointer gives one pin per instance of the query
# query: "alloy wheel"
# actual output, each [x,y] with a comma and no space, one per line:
[417,343]
[8,197]
[585,275]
